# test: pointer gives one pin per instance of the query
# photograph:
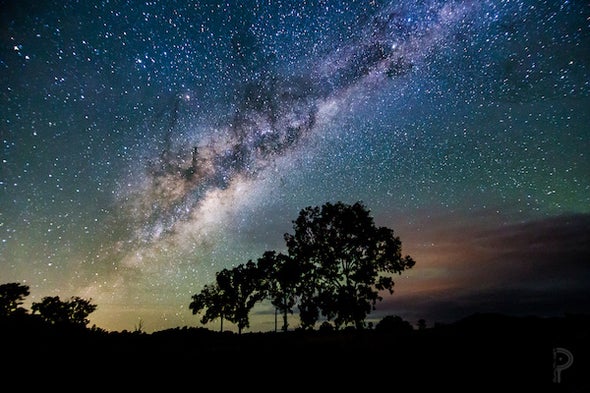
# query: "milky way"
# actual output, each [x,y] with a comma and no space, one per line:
[275,114]
[147,146]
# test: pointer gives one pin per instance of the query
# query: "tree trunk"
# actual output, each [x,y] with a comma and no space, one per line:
[285,323]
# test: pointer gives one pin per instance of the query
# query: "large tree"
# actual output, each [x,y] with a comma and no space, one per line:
[346,262]
[12,296]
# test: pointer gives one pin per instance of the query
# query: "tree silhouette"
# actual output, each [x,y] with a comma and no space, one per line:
[236,291]
[394,324]
[73,312]
[12,296]
[345,262]
[213,300]
[421,324]
[246,292]
[282,277]
[337,264]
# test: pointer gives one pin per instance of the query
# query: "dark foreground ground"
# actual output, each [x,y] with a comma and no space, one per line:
[480,353]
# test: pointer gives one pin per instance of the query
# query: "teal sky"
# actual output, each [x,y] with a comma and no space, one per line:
[463,126]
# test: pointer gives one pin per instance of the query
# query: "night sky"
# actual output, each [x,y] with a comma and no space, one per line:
[147,145]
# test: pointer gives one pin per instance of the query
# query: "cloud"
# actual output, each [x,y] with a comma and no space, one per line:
[553,251]
[539,267]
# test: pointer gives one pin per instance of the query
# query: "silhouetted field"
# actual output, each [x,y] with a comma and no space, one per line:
[480,353]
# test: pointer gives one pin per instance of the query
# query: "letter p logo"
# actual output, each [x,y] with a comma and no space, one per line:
[562,360]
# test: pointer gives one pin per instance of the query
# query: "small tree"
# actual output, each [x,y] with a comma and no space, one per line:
[139,327]
[12,296]
[72,312]
[213,300]
[232,297]
[282,276]
[421,324]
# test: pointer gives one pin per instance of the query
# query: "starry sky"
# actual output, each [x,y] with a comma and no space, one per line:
[146,145]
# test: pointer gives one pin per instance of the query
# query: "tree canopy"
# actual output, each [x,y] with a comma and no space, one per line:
[213,300]
[346,259]
[12,296]
[73,312]
[232,297]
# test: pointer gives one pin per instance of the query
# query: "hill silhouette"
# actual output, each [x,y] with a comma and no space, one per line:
[482,352]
